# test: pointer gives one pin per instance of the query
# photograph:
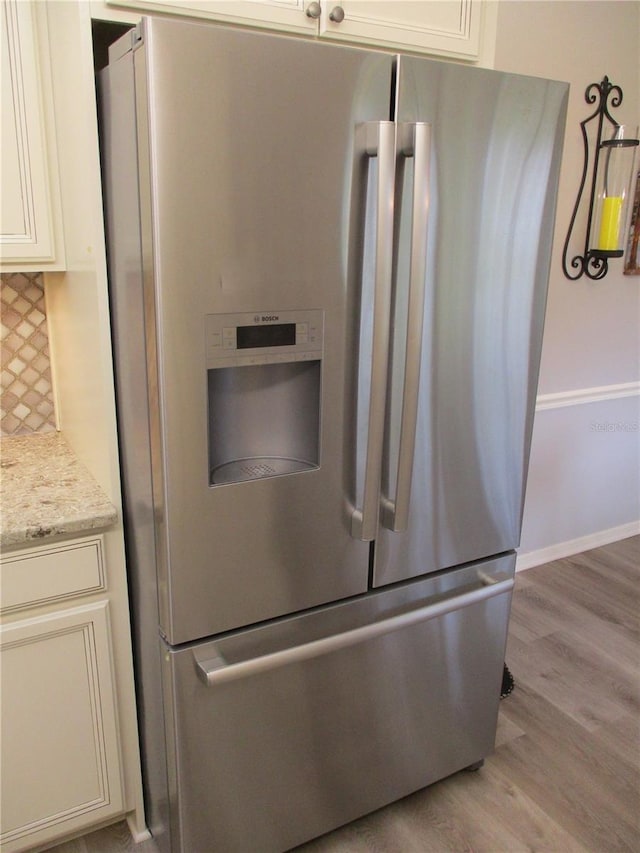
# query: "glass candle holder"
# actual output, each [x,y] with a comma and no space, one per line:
[615,172]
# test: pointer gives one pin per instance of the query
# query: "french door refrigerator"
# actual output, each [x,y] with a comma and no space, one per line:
[328,269]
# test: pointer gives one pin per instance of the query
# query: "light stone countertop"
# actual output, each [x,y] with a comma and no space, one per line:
[46,491]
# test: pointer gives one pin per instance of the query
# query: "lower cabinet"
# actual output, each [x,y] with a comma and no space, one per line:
[60,754]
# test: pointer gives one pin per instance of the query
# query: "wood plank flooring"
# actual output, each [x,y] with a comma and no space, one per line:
[565,775]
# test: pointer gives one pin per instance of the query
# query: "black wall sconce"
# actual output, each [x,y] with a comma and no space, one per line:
[611,173]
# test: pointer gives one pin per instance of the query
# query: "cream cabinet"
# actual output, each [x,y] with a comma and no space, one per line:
[289,15]
[30,210]
[452,28]
[441,27]
[60,753]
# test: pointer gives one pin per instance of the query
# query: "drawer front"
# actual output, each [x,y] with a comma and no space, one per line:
[276,743]
[37,576]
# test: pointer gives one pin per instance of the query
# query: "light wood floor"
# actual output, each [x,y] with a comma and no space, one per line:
[565,775]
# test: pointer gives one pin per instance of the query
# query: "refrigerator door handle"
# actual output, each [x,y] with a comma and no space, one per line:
[379,141]
[214,669]
[415,141]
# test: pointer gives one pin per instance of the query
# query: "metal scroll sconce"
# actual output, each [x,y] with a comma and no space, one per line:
[611,173]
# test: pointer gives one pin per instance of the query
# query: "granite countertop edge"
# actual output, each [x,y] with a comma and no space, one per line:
[46,492]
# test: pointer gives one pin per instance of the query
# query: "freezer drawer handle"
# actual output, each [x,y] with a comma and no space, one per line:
[214,670]
[415,141]
[379,141]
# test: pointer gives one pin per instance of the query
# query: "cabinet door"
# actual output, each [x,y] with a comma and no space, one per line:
[447,27]
[443,27]
[30,239]
[275,14]
[60,756]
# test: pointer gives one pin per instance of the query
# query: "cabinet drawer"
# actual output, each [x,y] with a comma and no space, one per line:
[52,573]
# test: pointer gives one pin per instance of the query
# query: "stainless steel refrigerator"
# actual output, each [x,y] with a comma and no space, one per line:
[328,270]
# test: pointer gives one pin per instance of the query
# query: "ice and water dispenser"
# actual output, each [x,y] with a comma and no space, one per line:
[263,376]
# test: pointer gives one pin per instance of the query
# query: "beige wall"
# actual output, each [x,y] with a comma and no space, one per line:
[583,486]
[591,333]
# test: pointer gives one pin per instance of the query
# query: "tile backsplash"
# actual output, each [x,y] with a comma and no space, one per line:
[26,392]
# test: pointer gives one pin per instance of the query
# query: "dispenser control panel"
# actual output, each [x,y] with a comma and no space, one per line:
[266,337]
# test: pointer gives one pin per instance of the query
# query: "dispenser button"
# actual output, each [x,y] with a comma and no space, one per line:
[229,338]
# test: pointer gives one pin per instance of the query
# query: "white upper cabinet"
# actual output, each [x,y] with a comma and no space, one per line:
[30,217]
[288,15]
[445,27]
[452,28]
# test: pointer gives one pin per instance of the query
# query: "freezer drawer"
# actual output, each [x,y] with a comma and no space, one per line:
[287,731]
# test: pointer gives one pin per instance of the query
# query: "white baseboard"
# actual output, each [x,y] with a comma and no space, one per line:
[575,546]
[138,833]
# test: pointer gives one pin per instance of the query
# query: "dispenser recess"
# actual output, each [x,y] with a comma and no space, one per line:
[263,389]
